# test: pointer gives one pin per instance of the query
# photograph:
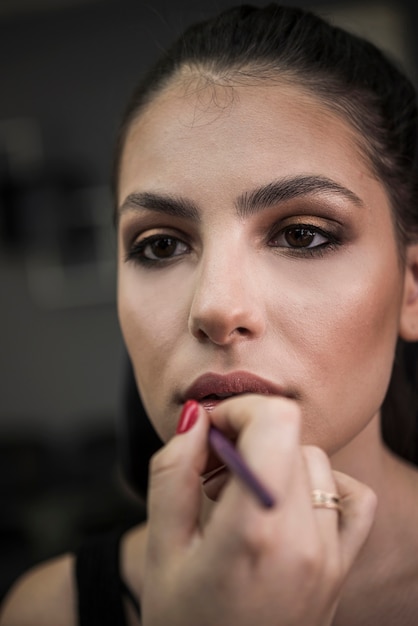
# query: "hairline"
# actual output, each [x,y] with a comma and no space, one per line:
[256,73]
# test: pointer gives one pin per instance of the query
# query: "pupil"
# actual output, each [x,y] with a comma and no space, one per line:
[164,247]
[299,237]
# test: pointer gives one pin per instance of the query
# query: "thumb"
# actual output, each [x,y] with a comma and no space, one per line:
[175,483]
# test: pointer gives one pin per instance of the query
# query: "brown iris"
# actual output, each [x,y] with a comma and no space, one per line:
[164,247]
[300,237]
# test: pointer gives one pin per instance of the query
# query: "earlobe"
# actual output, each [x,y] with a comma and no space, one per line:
[408,329]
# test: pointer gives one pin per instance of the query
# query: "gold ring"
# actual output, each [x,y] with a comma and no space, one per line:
[324,500]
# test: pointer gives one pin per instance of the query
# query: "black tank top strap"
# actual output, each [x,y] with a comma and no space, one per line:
[99,584]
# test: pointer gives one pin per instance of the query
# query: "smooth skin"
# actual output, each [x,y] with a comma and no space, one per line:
[213,277]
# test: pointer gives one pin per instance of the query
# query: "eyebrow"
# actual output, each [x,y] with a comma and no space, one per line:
[161,203]
[289,188]
[248,203]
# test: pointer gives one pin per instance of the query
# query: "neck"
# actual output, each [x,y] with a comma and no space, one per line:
[365,457]
[395,482]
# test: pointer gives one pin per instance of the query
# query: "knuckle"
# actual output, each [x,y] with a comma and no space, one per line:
[255,539]
[311,560]
[368,500]
[318,566]
[315,455]
[161,463]
[289,414]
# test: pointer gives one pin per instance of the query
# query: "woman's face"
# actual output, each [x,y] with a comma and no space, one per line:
[254,241]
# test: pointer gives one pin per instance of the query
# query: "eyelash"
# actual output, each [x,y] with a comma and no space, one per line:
[331,240]
[137,251]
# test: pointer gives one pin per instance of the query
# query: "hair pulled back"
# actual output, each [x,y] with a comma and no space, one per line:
[349,75]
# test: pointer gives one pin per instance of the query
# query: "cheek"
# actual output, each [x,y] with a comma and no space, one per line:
[152,321]
[368,307]
[350,338]
[364,334]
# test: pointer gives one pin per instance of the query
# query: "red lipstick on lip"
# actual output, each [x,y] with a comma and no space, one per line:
[210,389]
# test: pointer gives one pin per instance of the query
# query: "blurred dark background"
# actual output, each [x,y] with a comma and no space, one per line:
[66,70]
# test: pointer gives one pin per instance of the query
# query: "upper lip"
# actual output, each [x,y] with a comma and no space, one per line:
[234,383]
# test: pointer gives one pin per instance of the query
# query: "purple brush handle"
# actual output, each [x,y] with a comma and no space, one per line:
[234,461]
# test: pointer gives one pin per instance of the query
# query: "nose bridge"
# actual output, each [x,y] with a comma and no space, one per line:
[226,302]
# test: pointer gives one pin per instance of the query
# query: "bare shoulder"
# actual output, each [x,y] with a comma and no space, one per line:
[43,595]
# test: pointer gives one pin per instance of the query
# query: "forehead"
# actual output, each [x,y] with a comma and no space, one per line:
[197,134]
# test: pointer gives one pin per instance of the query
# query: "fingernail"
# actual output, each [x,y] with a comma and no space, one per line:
[188,416]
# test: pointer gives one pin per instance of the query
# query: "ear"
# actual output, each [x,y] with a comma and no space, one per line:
[408,328]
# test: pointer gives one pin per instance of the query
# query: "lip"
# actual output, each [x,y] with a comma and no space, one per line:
[210,388]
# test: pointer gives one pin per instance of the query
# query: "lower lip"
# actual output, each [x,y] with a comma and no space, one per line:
[209,405]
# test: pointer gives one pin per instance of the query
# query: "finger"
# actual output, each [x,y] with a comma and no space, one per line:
[266,430]
[175,488]
[233,415]
[358,509]
[321,478]
[268,441]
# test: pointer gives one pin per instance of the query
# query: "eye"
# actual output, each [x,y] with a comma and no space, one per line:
[301,237]
[163,248]
[157,249]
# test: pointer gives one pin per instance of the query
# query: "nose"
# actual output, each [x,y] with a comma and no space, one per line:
[227,305]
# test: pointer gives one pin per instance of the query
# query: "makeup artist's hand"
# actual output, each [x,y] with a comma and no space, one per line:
[249,565]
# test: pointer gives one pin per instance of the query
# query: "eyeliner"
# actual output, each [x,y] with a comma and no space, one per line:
[234,461]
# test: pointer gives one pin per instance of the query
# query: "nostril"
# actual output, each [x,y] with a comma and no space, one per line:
[201,335]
